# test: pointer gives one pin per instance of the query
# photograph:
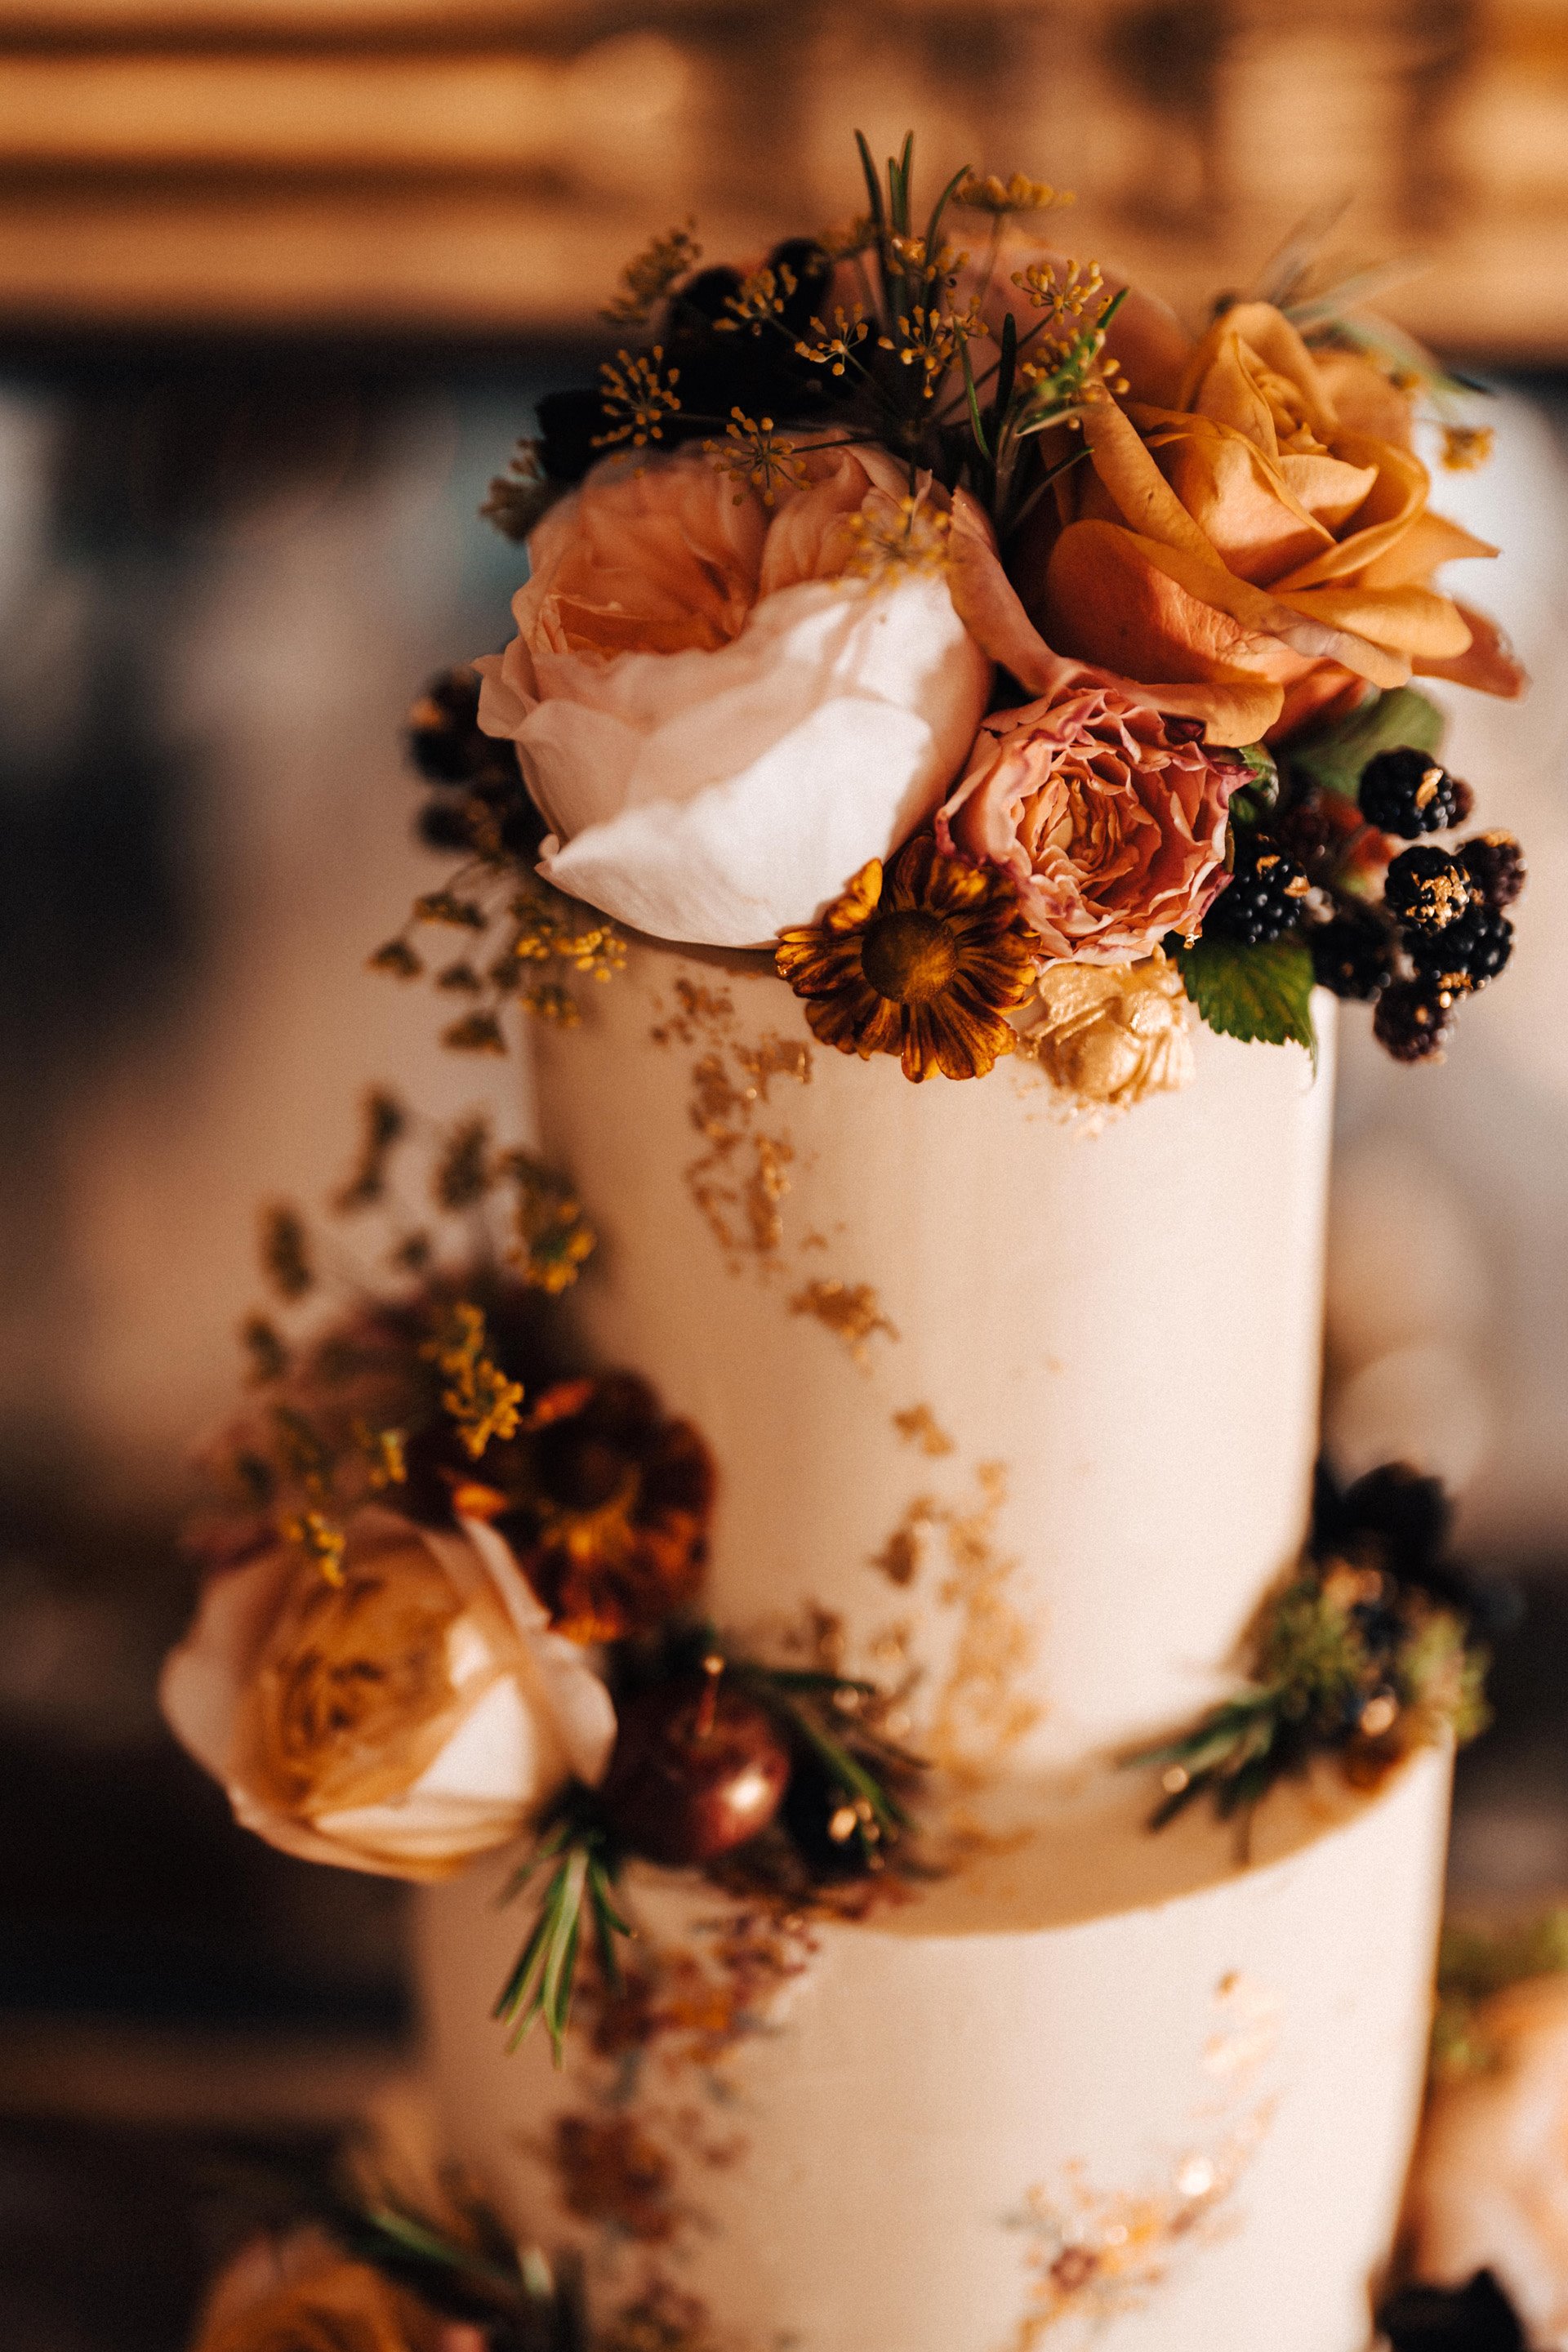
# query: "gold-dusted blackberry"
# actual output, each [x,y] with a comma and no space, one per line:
[1352,953]
[1495,864]
[1262,900]
[1427,890]
[1465,954]
[1408,792]
[1412,1021]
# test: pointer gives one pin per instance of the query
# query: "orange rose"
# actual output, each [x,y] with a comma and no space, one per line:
[1260,549]
[312,2302]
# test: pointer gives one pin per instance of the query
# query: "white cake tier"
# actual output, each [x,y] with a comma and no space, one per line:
[1103,2089]
[1019,1415]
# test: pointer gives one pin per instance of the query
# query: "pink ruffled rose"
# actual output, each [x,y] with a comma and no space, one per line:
[721,707]
[1109,819]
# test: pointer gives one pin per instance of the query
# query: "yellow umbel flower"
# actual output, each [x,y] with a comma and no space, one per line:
[1017,195]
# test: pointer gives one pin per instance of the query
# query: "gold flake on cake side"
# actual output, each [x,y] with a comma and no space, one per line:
[918,1426]
[852,1312]
[739,1181]
[981,1714]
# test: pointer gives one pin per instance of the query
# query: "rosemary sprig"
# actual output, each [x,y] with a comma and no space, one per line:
[583,1863]
[820,1711]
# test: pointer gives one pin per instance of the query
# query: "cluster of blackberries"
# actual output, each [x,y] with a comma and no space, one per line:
[1447,904]
[1440,933]
[480,805]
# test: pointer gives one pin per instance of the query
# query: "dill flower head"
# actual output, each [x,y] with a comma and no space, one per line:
[924,959]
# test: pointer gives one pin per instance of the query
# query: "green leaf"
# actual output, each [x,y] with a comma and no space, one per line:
[1262,786]
[933,227]
[1261,994]
[1334,756]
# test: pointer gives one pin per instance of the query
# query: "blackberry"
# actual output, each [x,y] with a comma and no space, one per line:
[1262,900]
[1427,890]
[1352,953]
[1412,1021]
[444,738]
[1495,864]
[445,824]
[1466,954]
[1408,792]
[1408,1515]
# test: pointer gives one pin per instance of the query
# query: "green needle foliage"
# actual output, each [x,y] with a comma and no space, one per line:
[582,1862]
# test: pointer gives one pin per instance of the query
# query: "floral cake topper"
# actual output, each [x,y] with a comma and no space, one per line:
[930,609]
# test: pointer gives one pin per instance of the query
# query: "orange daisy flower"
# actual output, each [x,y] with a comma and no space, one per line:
[924,960]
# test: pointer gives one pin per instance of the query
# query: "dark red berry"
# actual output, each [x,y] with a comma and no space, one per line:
[699,1768]
[1412,1021]
[1427,888]
[1262,900]
[1408,792]
[1352,953]
[1495,864]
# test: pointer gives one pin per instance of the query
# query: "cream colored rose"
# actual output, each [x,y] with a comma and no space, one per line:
[1106,1036]
[413,1715]
[1490,2189]
[718,716]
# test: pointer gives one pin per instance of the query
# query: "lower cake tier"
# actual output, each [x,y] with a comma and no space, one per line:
[1093,2085]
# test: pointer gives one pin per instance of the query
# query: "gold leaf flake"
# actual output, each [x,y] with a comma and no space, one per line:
[850,1310]
[917,1425]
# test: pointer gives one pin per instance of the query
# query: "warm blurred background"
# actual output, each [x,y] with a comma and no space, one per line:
[278,279]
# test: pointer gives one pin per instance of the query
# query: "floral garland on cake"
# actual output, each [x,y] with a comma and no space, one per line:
[451,1592]
[1365,1653]
[927,608]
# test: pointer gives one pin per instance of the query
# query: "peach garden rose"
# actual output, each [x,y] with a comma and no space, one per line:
[413,1712]
[720,706]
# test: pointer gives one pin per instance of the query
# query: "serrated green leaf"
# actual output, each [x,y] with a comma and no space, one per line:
[1261,994]
[1334,756]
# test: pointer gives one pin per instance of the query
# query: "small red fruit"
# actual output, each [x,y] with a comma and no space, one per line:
[698,1769]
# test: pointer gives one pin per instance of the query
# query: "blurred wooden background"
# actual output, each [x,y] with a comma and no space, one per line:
[484,166]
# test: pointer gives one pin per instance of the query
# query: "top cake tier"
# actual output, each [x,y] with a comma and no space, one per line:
[1015,1417]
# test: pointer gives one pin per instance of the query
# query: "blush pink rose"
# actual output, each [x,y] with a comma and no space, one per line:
[1109,819]
[723,707]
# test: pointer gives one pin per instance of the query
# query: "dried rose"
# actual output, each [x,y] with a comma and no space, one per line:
[401,1717]
[1107,1035]
[1108,819]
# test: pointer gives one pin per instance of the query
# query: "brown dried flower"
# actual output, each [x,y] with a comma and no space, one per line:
[607,1508]
[924,960]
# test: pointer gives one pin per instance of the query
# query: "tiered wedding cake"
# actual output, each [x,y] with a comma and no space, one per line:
[1031,1414]
[978,1807]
